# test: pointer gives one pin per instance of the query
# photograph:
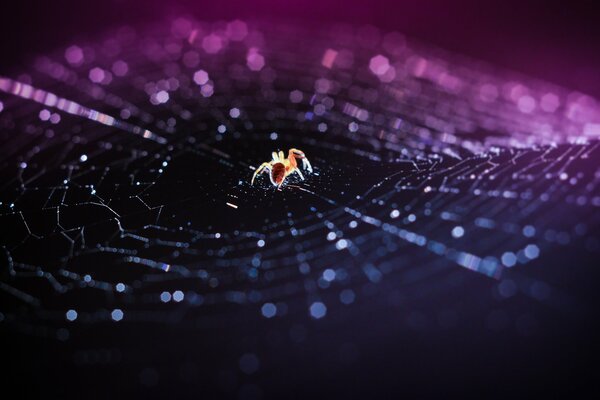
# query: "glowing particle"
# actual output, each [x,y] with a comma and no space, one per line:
[329,275]
[304,268]
[212,43]
[221,128]
[509,259]
[178,296]
[207,90]
[341,244]
[162,97]
[44,115]
[71,315]
[318,310]
[295,96]
[353,224]
[379,65]
[234,112]
[254,60]
[395,214]
[116,314]
[268,310]
[526,104]
[231,205]
[329,58]
[331,236]
[120,287]
[260,243]
[83,158]
[529,231]
[97,75]
[458,232]
[532,251]
[323,85]
[201,77]
[165,297]
[74,55]
[549,102]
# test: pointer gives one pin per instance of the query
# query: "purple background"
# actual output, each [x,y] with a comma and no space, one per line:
[551,40]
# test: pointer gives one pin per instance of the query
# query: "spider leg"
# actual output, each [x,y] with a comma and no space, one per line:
[297,153]
[300,154]
[299,173]
[306,164]
[264,166]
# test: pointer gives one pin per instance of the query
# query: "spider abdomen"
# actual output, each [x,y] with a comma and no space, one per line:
[277,173]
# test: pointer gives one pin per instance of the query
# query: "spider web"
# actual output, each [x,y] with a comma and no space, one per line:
[130,202]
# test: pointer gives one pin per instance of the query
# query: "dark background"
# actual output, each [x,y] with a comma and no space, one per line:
[552,40]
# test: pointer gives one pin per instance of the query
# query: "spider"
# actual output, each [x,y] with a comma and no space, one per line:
[280,167]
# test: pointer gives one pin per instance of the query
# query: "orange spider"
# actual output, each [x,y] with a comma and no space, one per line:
[280,167]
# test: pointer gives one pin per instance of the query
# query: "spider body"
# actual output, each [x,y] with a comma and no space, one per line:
[280,167]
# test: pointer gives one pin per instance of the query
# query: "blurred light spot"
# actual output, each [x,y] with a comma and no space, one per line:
[117,314]
[71,315]
[532,251]
[458,232]
[165,297]
[509,259]
[341,244]
[268,310]
[74,55]
[254,60]
[178,296]
[234,112]
[379,65]
[318,310]
[329,275]
[201,77]
[162,97]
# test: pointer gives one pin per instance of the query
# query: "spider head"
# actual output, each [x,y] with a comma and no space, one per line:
[277,174]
